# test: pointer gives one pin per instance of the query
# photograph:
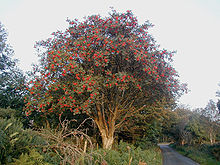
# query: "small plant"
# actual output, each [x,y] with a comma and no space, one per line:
[31,158]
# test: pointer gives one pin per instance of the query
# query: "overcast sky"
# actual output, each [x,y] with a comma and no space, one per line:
[191,27]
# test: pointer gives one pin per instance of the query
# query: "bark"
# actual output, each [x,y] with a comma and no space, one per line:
[214,141]
[210,136]
[182,143]
[107,142]
[107,138]
[47,124]
[106,128]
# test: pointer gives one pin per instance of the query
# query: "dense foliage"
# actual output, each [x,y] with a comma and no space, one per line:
[193,127]
[14,139]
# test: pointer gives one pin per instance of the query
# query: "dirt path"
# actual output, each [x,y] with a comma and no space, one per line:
[171,157]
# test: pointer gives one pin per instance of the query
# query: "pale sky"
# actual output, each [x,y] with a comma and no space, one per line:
[191,27]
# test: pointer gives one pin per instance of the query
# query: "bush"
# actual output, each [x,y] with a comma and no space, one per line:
[17,114]
[31,158]
[64,146]
[215,149]
[14,140]
[7,113]
[145,144]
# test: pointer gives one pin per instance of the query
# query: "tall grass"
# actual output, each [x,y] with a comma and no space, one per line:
[201,154]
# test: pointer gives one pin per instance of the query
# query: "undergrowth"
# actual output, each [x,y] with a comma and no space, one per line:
[127,154]
[203,154]
[20,146]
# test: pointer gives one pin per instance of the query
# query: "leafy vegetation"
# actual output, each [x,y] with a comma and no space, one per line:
[31,158]
[129,154]
[64,145]
[203,154]
[14,140]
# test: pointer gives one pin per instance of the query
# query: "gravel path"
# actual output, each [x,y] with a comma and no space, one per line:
[171,157]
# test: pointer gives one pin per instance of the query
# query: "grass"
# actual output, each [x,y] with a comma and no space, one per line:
[201,154]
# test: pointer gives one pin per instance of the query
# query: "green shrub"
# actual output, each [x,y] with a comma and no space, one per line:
[127,153]
[10,131]
[52,146]
[145,144]
[7,113]
[17,114]
[14,140]
[31,158]
[51,157]
[215,149]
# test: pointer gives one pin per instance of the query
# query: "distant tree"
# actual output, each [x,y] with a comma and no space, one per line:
[181,134]
[198,129]
[218,105]
[211,111]
[109,68]
[169,121]
[190,127]
[11,78]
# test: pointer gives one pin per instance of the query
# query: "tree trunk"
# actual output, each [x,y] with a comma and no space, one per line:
[107,142]
[107,134]
[211,139]
[182,142]
[106,128]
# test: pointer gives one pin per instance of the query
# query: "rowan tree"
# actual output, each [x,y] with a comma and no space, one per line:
[107,67]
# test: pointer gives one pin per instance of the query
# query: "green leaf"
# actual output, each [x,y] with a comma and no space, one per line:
[14,134]
[8,126]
